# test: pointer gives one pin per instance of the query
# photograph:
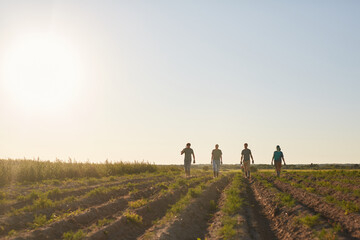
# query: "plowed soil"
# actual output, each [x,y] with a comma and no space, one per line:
[272,208]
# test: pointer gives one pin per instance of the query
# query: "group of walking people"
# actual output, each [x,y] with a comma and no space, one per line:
[216,159]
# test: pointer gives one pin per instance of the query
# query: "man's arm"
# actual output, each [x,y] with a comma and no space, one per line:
[212,157]
[182,152]
[272,160]
[221,158]
[241,159]
[252,157]
[193,157]
[283,159]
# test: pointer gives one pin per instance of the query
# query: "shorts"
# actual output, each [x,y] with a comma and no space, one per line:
[246,165]
[216,165]
[277,164]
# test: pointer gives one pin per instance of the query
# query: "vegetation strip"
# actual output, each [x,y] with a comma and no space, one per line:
[141,218]
[187,219]
[350,222]
[230,222]
[97,197]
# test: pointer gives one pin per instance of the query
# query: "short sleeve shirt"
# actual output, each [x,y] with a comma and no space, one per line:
[188,152]
[216,153]
[278,155]
[246,153]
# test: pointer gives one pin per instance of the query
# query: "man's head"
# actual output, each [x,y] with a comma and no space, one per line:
[245,145]
[188,145]
[278,148]
[217,146]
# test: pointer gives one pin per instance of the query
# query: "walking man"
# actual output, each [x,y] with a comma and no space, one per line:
[187,160]
[245,157]
[216,160]
[277,157]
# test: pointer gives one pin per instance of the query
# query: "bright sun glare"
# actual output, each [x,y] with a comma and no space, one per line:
[42,73]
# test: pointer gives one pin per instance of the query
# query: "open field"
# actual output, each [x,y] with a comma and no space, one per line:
[162,204]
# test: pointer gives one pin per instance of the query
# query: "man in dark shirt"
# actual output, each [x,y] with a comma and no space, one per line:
[216,160]
[245,156]
[187,160]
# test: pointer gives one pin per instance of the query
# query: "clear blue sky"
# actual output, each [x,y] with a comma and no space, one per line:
[136,80]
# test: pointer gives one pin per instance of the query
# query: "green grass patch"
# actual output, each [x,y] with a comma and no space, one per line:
[138,203]
[133,217]
[39,221]
[103,222]
[74,235]
[309,220]
[195,192]
[228,230]
[233,204]
[286,199]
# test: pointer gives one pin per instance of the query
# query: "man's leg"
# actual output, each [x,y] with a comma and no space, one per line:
[246,168]
[214,168]
[187,169]
[278,168]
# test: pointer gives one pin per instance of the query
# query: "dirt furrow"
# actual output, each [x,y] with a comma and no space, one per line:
[122,228]
[215,222]
[78,192]
[350,222]
[258,224]
[55,230]
[239,228]
[327,191]
[192,222]
[22,221]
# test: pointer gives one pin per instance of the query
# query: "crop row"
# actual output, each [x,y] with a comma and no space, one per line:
[43,211]
[340,224]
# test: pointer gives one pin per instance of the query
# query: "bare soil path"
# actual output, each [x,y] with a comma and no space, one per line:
[257,223]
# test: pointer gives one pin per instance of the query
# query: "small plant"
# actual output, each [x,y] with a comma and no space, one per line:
[74,236]
[286,199]
[228,231]
[309,220]
[98,191]
[104,222]
[326,234]
[11,233]
[138,203]
[42,203]
[213,206]
[133,217]
[40,220]
[162,185]
[34,195]
[55,193]
[194,192]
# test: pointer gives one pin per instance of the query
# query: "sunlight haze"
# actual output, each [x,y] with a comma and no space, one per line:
[137,80]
